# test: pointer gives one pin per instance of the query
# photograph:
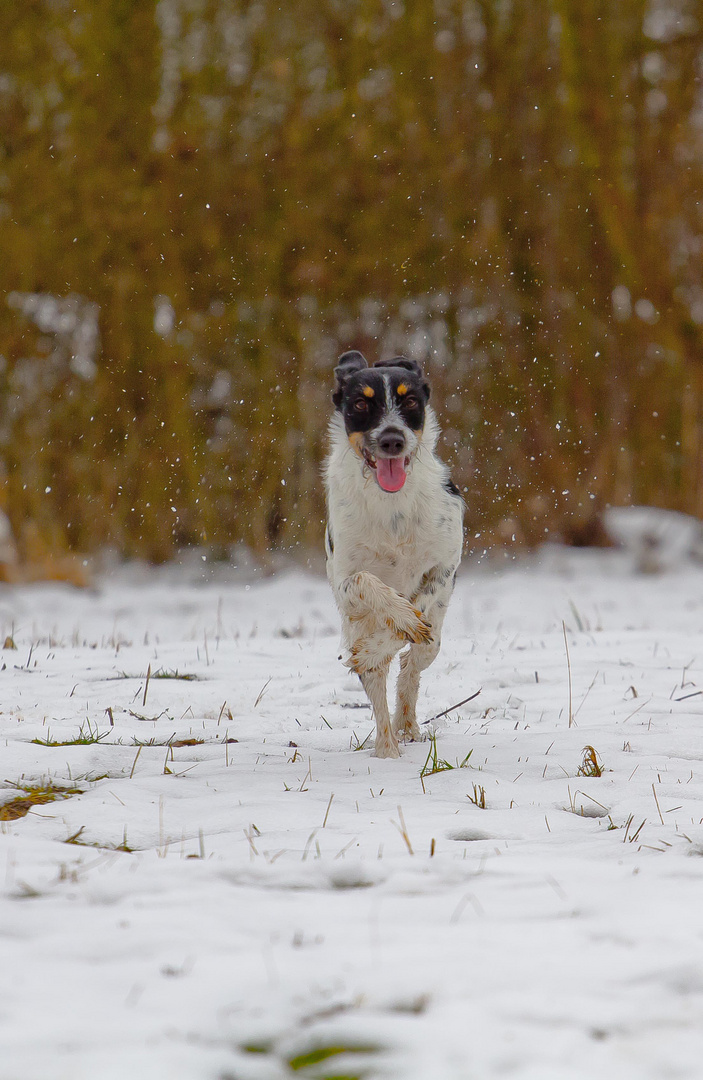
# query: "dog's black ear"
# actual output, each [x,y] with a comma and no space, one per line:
[401,361]
[349,363]
[409,365]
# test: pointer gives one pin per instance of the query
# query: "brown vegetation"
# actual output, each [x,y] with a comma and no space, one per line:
[202,203]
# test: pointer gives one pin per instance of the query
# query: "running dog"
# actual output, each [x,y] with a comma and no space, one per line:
[394,532]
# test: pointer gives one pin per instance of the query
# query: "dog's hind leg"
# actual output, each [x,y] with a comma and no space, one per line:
[374,681]
[412,664]
[431,598]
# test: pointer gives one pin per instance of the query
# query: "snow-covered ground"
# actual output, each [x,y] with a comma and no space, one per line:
[238,890]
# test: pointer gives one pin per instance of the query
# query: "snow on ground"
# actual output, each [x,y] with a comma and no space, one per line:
[238,890]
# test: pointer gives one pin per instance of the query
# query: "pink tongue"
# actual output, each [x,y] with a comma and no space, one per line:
[390,473]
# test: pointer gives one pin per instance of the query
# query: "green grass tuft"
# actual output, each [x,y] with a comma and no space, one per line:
[86,736]
[323,1053]
[435,764]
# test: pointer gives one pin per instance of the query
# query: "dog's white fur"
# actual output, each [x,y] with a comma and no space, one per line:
[391,561]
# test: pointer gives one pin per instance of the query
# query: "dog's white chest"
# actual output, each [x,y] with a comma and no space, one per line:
[399,550]
[399,541]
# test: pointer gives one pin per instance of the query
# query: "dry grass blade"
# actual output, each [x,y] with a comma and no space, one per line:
[590,766]
[568,668]
[146,685]
[402,829]
[262,691]
[327,811]
[134,763]
[478,798]
[147,719]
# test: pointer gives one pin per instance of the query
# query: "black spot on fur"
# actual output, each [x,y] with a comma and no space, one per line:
[451,487]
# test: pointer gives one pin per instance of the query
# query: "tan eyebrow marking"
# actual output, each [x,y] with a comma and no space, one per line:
[368,392]
[402,389]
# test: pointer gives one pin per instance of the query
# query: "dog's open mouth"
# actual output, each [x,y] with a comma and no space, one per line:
[391,473]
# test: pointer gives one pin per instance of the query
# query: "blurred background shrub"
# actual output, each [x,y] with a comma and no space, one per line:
[203,202]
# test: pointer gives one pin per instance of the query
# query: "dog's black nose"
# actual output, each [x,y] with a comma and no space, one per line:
[391,442]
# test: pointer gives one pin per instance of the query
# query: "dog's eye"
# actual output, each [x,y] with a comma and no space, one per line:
[361,405]
[410,402]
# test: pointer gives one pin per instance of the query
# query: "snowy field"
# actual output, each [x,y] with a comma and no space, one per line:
[207,876]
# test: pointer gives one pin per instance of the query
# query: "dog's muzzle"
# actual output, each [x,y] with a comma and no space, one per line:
[390,465]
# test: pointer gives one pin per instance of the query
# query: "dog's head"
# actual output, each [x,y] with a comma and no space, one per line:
[384,413]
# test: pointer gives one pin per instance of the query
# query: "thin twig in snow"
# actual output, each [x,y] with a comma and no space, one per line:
[327,811]
[568,667]
[146,685]
[453,707]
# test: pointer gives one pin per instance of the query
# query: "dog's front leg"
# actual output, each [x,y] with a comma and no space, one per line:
[378,621]
[372,646]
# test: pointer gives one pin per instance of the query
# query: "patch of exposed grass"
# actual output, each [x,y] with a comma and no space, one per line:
[153,740]
[87,734]
[174,673]
[161,673]
[18,808]
[258,1048]
[318,1062]
[323,1053]
[34,795]
[75,838]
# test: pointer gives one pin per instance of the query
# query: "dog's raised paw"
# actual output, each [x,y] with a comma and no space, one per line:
[410,624]
[420,632]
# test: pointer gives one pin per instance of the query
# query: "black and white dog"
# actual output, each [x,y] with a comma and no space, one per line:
[394,532]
